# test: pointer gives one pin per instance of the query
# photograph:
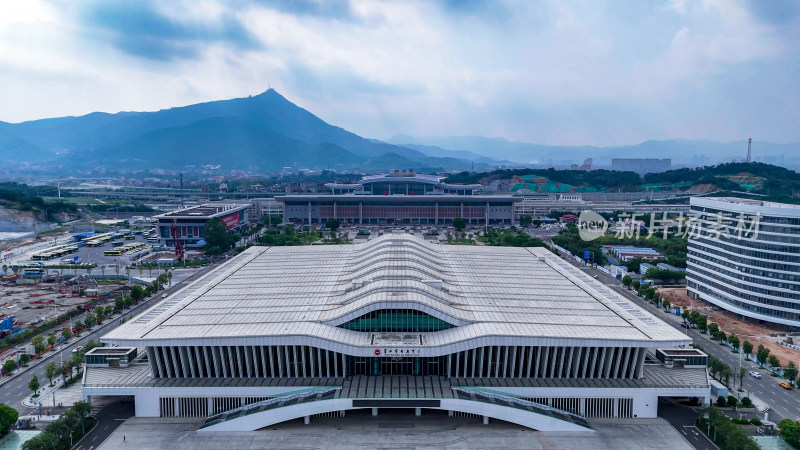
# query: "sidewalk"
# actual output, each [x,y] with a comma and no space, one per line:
[760,405]
[45,394]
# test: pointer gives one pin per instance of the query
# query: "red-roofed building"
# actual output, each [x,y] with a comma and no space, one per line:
[569,218]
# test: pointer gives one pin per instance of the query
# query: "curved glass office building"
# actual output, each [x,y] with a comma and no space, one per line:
[744,256]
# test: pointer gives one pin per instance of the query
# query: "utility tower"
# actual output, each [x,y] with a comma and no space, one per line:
[749,143]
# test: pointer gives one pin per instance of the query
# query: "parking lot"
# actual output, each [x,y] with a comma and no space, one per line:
[95,256]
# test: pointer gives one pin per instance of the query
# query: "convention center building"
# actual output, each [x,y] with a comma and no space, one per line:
[400,197]
[290,333]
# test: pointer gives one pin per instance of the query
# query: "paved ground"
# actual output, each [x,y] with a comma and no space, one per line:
[14,389]
[682,418]
[395,429]
[783,404]
[110,417]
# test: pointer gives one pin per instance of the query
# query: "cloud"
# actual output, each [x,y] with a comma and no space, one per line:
[141,29]
[599,72]
[775,12]
[330,9]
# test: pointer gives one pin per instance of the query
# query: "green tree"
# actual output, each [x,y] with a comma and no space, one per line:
[8,418]
[774,362]
[83,409]
[38,344]
[217,238]
[790,372]
[635,284]
[90,320]
[732,401]
[50,371]
[742,372]
[747,347]
[99,312]
[734,341]
[666,304]
[762,353]
[626,281]
[33,385]
[51,340]
[23,359]
[137,293]
[525,220]
[790,430]
[332,224]
[713,327]
[9,366]
[459,223]
[66,333]
[78,326]
[108,310]
[702,323]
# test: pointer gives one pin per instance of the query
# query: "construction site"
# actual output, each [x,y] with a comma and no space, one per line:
[755,333]
[44,300]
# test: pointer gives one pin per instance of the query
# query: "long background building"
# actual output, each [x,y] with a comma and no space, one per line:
[400,197]
[744,256]
[517,334]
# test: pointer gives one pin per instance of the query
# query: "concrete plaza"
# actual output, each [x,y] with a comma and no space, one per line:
[395,429]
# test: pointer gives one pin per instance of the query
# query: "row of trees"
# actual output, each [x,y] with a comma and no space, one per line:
[647,291]
[762,353]
[8,417]
[723,431]
[64,432]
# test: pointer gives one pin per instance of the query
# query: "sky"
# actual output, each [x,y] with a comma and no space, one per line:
[554,72]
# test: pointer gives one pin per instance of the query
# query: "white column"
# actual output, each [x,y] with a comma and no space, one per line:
[306,420]
[374,411]
[271,364]
[546,351]
[418,411]
[486,420]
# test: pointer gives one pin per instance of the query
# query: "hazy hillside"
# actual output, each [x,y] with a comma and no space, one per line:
[681,151]
[265,131]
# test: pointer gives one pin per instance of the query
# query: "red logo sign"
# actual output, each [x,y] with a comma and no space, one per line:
[231,220]
[377,352]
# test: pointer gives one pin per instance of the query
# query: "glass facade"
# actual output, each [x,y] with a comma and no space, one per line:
[755,275]
[396,320]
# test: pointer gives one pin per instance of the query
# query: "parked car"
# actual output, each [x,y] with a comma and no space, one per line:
[785,385]
[755,374]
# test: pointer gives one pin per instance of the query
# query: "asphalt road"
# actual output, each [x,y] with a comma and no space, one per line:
[14,391]
[109,418]
[682,418]
[784,404]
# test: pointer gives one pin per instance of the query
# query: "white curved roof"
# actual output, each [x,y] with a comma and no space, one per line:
[286,294]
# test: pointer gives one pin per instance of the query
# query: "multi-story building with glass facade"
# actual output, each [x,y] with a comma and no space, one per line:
[400,197]
[191,222]
[744,256]
[282,333]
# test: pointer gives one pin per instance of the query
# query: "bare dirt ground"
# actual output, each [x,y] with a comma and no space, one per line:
[42,301]
[756,334]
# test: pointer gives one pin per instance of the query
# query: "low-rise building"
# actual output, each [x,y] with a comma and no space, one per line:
[191,222]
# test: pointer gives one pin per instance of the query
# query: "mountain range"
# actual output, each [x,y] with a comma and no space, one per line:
[683,152]
[267,132]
